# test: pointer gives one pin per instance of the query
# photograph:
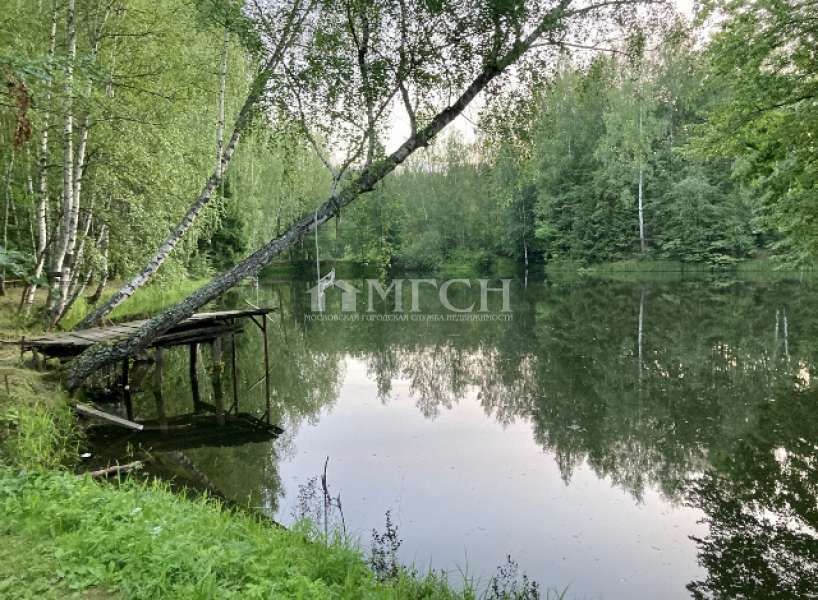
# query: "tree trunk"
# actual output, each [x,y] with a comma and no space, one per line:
[61,246]
[103,278]
[641,211]
[640,335]
[641,188]
[525,234]
[100,355]
[257,89]
[42,179]
[220,124]
[78,288]
[77,282]
[71,261]
[6,205]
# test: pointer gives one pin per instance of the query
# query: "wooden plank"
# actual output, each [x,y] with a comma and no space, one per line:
[90,411]
[76,341]
[196,334]
[89,338]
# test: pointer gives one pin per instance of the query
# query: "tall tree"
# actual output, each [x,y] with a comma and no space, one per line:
[63,234]
[500,35]
[764,66]
[42,176]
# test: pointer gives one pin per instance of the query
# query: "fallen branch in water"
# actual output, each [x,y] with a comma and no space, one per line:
[115,470]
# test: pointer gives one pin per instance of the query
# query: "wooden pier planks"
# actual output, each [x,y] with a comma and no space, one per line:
[90,411]
[197,328]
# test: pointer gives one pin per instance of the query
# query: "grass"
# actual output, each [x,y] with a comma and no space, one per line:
[146,302]
[140,540]
[38,430]
[37,427]
[757,269]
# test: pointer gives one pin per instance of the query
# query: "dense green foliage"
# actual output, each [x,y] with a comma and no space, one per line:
[763,62]
[145,97]
[710,130]
[720,138]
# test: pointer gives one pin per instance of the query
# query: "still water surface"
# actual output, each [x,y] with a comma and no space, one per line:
[591,437]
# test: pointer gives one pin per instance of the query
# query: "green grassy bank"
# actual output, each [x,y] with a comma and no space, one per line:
[65,535]
[645,269]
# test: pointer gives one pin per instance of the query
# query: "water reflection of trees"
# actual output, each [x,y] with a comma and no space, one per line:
[760,505]
[642,383]
[700,389]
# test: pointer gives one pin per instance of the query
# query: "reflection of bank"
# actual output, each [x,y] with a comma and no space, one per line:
[349,295]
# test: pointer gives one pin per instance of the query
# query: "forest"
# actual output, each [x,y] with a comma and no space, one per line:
[691,141]
[663,136]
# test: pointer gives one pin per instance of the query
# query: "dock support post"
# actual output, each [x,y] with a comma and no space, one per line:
[235,374]
[194,377]
[160,400]
[126,387]
[266,367]
[216,376]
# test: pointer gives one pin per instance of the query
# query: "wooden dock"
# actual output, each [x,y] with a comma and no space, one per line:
[201,327]
[218,329]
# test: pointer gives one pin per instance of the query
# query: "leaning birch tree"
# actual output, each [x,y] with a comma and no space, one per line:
[475,43]
[282,30]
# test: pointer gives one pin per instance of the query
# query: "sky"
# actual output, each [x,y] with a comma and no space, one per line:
[464,125]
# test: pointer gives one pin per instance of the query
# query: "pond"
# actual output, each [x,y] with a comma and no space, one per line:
[620,439]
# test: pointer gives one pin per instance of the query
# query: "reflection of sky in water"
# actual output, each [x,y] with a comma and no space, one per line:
[466,491]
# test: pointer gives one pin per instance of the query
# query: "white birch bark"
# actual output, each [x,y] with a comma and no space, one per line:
[42,177]
[71,262]
[6,205]
[61,245]
[641,210]
[641,187]
[222,88]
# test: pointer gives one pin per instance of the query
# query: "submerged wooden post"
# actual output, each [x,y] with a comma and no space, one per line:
[235,375]
[194,377]
[35,358]
[216,377]
[266,367]
[126,387]
[160,401]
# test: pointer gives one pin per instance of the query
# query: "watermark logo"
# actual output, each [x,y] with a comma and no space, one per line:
[487,300]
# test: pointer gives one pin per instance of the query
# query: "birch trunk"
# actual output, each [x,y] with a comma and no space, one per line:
[71,259]
[222,87]
[42,178]
[641,211]
[257,89]
[100,355]
[71,263]
[75,279]
[6,205]
[78,288]
[62,236]
[103,277]
[640,335]
[641,188]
